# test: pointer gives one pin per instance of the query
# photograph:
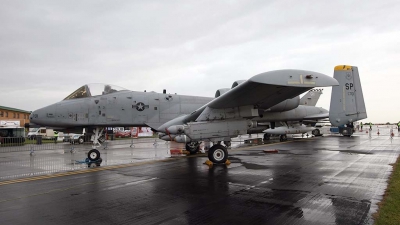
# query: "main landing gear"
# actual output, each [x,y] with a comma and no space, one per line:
[282,137]
[216,154]
[219,153]
[94,154]
[192,147]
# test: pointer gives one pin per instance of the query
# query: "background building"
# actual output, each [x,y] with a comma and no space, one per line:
[11,117]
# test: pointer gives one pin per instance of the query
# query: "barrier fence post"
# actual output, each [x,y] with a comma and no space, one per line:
[32,152]
[132,145]
[155,142]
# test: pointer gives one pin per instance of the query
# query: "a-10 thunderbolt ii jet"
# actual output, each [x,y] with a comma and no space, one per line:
[266,97]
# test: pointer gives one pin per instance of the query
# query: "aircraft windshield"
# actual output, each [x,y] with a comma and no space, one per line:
[89,90]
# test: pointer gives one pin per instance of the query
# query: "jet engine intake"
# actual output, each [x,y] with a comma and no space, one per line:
[221,92]
[236,83]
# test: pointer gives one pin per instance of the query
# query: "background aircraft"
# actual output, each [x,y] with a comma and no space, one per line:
[282,128]
[191,119]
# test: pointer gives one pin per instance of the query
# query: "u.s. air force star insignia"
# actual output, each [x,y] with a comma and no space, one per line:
[140,106]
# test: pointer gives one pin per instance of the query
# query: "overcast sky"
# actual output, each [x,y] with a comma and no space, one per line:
[50,48]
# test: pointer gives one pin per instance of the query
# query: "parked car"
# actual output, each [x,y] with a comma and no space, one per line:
[66,138]
[82,138]
[123,133]
[77,139]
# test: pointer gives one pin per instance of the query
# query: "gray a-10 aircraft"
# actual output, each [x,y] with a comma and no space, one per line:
[266,97]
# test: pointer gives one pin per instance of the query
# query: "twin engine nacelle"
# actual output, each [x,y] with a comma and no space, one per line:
[224,90]
[286,105]
[221,92]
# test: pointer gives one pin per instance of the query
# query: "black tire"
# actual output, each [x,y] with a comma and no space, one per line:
[218,154]
[192,147]
[267,137]
[81,140]
[282,138]
[94,154]
[92,165]
[316,132]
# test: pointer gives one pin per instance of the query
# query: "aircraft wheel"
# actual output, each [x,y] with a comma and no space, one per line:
[316,132]
[218,154]
[267,137]
[81,140]
[282,137]
[94,154]
[192,147]
[91,165]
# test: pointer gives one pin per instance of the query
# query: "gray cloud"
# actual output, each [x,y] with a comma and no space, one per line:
[50,48]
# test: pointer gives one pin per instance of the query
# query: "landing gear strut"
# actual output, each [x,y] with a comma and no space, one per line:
[228,144]
[94,154]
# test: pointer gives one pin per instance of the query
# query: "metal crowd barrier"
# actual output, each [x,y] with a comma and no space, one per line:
[20,144]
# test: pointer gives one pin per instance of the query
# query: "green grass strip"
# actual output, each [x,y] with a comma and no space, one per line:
[389,208]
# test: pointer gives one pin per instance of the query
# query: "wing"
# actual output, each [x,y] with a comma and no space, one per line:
[268,89]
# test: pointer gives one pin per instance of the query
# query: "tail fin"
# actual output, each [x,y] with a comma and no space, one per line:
[347,100]
[311,98]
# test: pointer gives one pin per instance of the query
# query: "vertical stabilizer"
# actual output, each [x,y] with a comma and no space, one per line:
[347,100]
[311,98]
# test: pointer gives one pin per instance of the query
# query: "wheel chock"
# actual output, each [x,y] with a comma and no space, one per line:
[270,150]
[176,152]
[228,162]
[209,163]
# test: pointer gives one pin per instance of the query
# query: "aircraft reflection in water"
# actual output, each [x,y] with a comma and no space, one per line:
[249,106]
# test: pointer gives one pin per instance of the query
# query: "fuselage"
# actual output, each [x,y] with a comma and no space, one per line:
[124,108]
[102,105]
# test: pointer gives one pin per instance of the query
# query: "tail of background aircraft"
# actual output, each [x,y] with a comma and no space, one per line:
[311,98]
[347,100]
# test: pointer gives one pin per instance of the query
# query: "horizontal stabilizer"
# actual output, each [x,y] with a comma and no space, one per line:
[311,98]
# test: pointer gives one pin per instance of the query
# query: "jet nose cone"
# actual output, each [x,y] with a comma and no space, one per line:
[34,116]
[43,116]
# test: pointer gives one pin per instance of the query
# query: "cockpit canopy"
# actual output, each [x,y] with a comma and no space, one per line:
[89,90]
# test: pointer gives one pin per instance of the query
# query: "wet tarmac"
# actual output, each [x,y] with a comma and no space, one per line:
[322,180]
